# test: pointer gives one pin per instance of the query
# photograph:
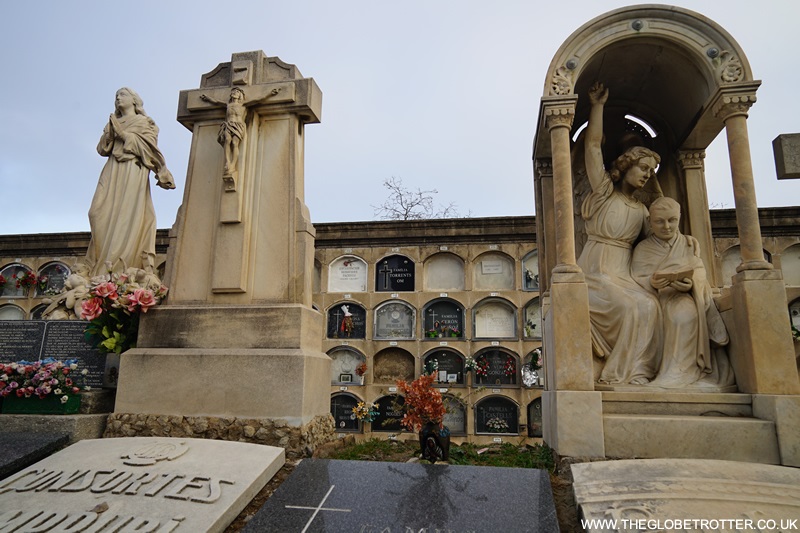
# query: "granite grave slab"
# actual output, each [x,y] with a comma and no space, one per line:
[376,497]
[154,484]
[19,450]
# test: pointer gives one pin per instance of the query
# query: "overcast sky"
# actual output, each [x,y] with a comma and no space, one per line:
[443,94]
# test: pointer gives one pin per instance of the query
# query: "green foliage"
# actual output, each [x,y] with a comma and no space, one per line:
[538,456]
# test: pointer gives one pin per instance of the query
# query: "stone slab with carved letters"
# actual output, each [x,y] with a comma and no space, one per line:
[154,484]
[687,494]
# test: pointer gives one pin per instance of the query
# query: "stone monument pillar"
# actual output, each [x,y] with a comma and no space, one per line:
[237,336]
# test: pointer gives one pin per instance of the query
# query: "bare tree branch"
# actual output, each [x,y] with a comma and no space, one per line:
[407,204]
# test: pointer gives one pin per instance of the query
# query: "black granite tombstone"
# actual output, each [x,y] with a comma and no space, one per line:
[31,340]
[376,497]
[347,321]
[342,411]
[19,450]
[496,415]
[390,413]
[449,365]
[444,319]
[394,274]
[501,368]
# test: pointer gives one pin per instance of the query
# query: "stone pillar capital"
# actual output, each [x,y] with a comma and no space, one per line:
[691,159]
[734,100]
[544,168]
[559,117]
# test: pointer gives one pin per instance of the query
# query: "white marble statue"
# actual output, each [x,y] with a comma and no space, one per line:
[668,264]
[625,318]
[122,217]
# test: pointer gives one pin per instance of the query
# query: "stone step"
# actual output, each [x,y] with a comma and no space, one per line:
[678,403]
[708,437]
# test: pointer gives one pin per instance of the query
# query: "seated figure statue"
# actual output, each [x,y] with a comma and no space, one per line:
[668,264]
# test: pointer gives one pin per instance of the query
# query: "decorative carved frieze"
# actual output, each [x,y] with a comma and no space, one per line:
[561,84]
[544,167]
[559,116]
[691,159]
[730,105]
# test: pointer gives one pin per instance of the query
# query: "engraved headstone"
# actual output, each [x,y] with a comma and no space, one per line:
[347,321]
[493,272]
[501,368]
[390,413]
[494,320]
[394,274]
[347,274]
[450,366]
[31,340]
[344,362]
[535,418]
[377,497]
[456,416]
[496,415]
[444,319]
[342,412]
[394,321]
[138,484]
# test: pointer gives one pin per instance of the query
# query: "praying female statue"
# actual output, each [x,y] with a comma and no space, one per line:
[625,318]
[122,217]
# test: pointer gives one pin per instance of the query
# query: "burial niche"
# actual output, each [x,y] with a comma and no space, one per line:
[36,312]
[794,314]
[448,366]
[344,361]
[394,274]
[496,367]
[347,320]
[732,258]
[530,272]
[444,272]
[347,274]
[443,319]
[11,312]
[495,319]
[11,274]
[496,414]
[51,279]
[535,418]
[455,418]
[533,320]
[390,413]
[393,364]
[394,320]
[342,411]
[493,272]
[790,265]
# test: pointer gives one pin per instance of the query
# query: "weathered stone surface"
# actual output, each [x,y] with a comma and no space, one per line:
[300,441]
[661,492]
[138,484]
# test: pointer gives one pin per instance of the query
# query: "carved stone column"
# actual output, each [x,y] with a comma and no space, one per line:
[761,350]
[559,122]
[732,108]
[545,227]
[698,218]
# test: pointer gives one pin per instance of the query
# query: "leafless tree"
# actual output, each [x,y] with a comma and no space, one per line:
[408,204]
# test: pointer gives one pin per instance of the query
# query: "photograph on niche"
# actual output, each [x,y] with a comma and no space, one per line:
[345,378]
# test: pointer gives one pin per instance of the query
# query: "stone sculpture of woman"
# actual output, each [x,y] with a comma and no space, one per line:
[122,217]
[625,318]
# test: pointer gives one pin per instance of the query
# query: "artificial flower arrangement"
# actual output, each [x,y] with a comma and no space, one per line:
[2,282]
[365,412]
[361,369]
[113,311]
[536,360]
[25,279]
[423,403]
[470,365]
[497,425]
[482,367]
[510,368]
[41,379]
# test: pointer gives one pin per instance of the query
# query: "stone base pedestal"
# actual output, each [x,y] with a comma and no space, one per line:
[573,423]
[784,412]
[568,347]
[761,349]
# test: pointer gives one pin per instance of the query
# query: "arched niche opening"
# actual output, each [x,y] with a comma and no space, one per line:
[496,367]
[390,413]
[342,411]
[790,265]
[344,362]
[395,273]
[449,365]
[443,272]
[52,277]
[535,418]
[530,271]
[493,271]
[496,415]
[394,320]
[494,318]
[443,318]
[533,320]
[11,312]
[731,259]
[393,364]
[455,417]
[347,273]
[11,273]
[347,320]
